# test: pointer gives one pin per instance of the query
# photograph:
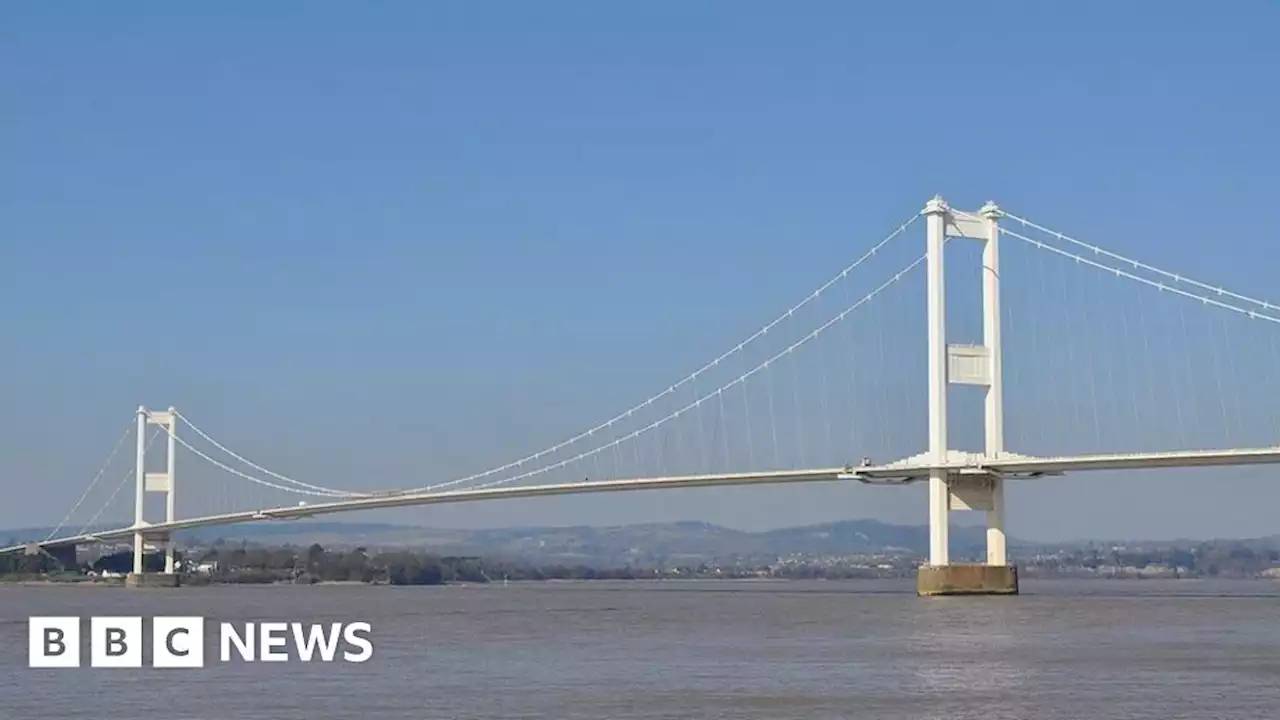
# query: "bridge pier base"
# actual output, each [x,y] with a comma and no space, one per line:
[967,580]
[152,580]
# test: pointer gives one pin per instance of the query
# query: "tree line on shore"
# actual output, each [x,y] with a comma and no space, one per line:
[287,564]
[226,563]
[397,567]
[1226,559]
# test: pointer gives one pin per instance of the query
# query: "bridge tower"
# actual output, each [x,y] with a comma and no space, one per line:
[154,482]
[967,365]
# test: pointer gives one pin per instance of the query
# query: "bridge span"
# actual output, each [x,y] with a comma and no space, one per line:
[959,465]
[708,424]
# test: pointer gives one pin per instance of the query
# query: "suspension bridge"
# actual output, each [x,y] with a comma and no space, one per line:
[1042,353]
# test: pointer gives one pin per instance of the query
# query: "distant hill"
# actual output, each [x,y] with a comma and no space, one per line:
[869,536]
[667,543]
[679,542]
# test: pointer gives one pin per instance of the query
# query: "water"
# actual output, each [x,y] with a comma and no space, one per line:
[766,650]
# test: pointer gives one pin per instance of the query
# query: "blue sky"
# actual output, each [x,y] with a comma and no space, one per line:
[418,239]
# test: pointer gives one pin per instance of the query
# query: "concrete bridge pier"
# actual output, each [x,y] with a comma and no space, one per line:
[995,576]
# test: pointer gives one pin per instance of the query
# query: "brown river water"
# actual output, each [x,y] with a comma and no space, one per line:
[686,649]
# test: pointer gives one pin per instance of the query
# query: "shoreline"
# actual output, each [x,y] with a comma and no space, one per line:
[120,583]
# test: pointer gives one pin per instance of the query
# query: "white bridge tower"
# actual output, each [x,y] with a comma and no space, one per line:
[968,365]
[154,482]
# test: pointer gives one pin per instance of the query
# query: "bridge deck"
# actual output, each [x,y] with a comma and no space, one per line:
[908,470]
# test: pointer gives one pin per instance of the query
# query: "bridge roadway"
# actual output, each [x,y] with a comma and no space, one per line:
[903,471]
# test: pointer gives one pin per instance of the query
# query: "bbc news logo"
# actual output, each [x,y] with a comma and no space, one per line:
[179,642]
